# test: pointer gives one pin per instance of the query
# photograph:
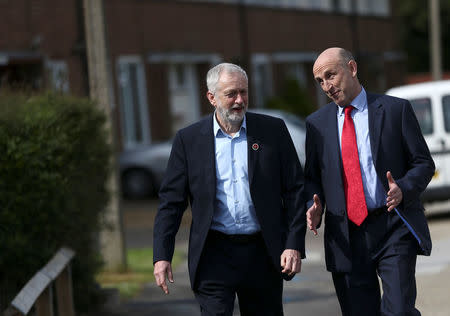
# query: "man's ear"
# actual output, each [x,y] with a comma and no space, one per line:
[211,99]
[353,67]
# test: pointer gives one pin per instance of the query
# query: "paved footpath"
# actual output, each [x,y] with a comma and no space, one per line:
[433,273]
[311,292]
[152,301]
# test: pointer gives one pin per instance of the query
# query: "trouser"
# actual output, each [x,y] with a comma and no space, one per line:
[382,246]
[232,266]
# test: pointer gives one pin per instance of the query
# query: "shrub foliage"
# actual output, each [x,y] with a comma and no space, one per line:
[54,162]
[293,99]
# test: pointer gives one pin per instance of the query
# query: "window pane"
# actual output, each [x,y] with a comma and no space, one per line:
[422,108]
[446,110]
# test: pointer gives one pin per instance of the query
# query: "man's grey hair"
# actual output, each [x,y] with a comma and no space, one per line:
[345,56]
[212,78]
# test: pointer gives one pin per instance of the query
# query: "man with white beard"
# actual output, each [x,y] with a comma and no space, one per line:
[242,178]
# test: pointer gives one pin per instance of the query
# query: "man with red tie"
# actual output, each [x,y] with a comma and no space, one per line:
[366,165]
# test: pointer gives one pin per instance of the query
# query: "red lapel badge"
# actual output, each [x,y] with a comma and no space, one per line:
[255,146]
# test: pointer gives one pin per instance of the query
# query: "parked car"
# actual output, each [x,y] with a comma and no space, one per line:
[431,104]
[296,127]
[142,168]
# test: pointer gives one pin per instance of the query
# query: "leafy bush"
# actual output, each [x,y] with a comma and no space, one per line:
[293,99]
[54,162]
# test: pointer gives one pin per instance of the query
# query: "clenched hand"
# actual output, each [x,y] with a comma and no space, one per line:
[291,262]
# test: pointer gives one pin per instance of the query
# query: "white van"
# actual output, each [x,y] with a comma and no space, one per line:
[431,103]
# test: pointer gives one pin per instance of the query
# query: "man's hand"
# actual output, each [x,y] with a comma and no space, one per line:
[163,270]
[313,214]
[394,195]
[291,262]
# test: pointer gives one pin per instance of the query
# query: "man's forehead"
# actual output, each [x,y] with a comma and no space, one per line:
[227,75]
[327,59]
[233,79]
[321,66]
[235,87]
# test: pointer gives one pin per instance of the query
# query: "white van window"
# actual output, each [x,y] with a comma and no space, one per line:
[422,108]
[446,110]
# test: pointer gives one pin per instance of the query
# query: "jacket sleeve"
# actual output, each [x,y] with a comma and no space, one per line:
[173,197]
[313,176]
[420,164]
[292,193]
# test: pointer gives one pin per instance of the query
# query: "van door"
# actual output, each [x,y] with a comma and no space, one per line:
[445,143]
[436,131]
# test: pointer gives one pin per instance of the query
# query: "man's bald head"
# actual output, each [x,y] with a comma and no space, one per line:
[336,71]
[335,54]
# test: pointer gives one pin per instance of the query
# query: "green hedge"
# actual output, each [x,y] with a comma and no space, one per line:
[54,162]
[293,99]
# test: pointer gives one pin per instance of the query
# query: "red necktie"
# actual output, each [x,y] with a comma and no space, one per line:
[353,186]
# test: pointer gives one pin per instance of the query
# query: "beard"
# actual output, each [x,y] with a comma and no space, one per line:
[229,117]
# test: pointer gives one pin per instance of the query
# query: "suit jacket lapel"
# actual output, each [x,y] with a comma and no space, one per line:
[207,150]
[376,113]
[332,137]
[252,141]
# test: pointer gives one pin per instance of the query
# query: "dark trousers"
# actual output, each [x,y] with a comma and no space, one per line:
[382,246]
[231,267]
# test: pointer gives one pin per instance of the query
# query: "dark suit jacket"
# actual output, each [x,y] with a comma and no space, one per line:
[397,145]
[276,187]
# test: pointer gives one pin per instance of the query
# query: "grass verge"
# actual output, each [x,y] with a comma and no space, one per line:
[139,271]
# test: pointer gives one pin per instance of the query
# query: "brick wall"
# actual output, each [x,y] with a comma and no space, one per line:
[139,27]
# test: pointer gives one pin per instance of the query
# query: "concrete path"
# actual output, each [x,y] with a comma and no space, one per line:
[311,292]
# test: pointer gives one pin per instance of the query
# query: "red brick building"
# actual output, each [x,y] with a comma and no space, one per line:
[160,51]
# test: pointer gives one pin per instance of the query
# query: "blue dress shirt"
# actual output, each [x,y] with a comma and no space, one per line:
[373,189]
[234,212]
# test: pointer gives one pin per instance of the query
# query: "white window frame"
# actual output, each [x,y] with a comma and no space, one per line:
[259,97]
[127,109]
[190,83]
[58,75]
[301,57]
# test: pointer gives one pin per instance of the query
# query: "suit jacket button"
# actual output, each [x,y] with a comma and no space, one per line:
[342,212]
